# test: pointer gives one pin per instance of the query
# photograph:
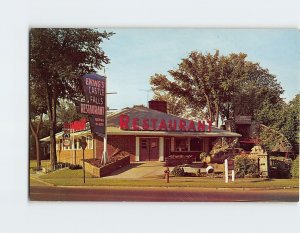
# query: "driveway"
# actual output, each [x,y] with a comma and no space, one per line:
[138,170]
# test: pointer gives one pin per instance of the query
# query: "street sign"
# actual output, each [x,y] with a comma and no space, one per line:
[243,120]
[66,139]
[83,143]
[230,164]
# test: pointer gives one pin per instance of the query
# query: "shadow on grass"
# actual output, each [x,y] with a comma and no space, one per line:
[262,180]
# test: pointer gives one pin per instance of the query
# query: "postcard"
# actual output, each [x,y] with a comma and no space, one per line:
[163,114]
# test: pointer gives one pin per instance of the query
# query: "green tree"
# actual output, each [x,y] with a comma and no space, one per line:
[215,85]
[58,58]
[67,112]
[37,109]
[291,127]
[282,117]
[175,105]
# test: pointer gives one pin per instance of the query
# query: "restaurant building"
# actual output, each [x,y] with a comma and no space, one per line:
[146,134]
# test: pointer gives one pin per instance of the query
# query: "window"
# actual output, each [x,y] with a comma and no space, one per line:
[181,144]
[196,144]
[89,140]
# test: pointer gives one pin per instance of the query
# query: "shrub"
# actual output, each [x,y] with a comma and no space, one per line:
[75,166]
[202,156]
[295,168]
[245,166]
[280,169]
[177,171]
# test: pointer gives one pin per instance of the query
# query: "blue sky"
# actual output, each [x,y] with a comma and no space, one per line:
[136,54]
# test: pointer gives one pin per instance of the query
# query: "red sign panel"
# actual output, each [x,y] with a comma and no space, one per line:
[75,125]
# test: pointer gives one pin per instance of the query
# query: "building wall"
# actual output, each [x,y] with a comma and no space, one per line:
[73,156]
[115,143]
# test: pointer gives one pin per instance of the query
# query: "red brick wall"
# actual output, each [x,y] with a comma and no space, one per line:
[124,143]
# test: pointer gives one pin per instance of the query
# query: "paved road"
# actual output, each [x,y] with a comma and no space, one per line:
[48,193]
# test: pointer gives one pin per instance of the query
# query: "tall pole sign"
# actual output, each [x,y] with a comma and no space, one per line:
[94,87]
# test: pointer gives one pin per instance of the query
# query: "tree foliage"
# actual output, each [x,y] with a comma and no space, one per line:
[281,117]
[67,112]
[219,86]
[58,58]
[176,105]
[37,109]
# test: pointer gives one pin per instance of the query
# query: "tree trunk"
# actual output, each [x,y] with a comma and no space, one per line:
[37,142]
[217,115]
[38,159]
[51,105]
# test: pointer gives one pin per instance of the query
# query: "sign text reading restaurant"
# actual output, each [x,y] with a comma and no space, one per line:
[127,123]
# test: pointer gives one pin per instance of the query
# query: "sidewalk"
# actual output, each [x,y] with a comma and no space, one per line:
[138,170]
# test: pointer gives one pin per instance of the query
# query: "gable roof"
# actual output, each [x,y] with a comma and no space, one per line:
[143,112]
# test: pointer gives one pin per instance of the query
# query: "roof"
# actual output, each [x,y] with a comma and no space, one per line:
[60,134]
[142,112]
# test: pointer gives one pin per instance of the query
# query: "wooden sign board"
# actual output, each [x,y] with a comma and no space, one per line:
[230,164]
[243,119]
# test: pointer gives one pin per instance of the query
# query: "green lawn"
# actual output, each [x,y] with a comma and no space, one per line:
[34,182]
[32,165]
[65,174]
[68,177]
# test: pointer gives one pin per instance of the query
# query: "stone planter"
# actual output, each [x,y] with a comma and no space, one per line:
[108,168]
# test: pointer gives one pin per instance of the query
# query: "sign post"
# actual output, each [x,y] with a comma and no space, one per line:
[226,171]
[83,144]
[231,167]
[104,155]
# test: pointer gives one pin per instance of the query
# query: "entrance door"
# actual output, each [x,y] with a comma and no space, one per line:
[149,149]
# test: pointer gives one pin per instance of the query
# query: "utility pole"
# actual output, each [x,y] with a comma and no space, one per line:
[104,155]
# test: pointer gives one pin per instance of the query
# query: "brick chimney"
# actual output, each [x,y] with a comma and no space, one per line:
[158,105]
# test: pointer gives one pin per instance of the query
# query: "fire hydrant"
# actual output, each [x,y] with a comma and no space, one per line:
[167,175]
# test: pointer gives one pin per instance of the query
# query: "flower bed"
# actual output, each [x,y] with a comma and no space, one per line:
[174,160]
[94,166]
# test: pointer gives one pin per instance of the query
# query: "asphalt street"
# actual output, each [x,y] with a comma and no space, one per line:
[162,194]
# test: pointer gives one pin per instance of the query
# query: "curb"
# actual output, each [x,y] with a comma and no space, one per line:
[177,187]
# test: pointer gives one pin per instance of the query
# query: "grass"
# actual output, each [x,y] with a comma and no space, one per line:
[32,165]
[34,182]
[65,174]
[68,177]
